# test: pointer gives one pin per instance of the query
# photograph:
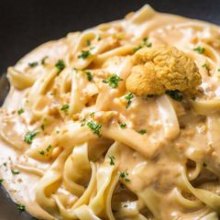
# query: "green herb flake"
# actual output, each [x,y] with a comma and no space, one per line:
[20,207]
[129,98]
[4,164]
[92,114]
[83,122]
[219,70]
[30,135]
[89,76]
[142,131]
[123,125]
[84,54]
[33,64]
[199,49]
[95,127]
[88,42]
[175,94]
[112,160]
[206,66]
[15,172]
[60,65]
[1,181]
[144,43]
[65,108]
[43,60]
[124,175]
[113,81]
[20,111]
[42,127]
[49,148]
[42,152]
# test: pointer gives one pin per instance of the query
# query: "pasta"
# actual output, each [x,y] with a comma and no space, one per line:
[78,142]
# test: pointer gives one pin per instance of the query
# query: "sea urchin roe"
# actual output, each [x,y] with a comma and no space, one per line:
[160,69]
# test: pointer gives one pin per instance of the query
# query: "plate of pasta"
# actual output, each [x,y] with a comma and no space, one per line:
[117,122]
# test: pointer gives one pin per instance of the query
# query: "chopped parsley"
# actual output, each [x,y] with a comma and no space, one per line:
[83,122]
[43,60]
[88,42]
[15,172]
[84,54]
[30,135]
[42,127]
[95,127]
[112,160]
[123,125]
[99,38]
[65,108]
[142,131]
[20,111]
[113,80]
[20,207]
[89,76]
[144,43]
[175,94]
[219,70]
[48,149]
[92,114]
[205,65]
[33,64]
[1,181]
[129,98]
[199,49]
[60,65]
[4,164]
[124,175]
[42,152]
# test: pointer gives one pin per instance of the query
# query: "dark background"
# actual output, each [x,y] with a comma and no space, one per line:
[24,24]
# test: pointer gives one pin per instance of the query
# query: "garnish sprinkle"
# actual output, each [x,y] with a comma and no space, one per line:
[113,80]
[89,76]
[1,181]
[112,160]
[43,60]
[175,94]
[129,97]
[199,49]
[15,172]
[20,111]
[123,125]
[88,42]
[124,175]
[84,54]
[95,127]
[30,135]
[20,207]
[65,108]
[42,127]
[33,64]
[42,152]
[142,131]
[144,43]
[60,65]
